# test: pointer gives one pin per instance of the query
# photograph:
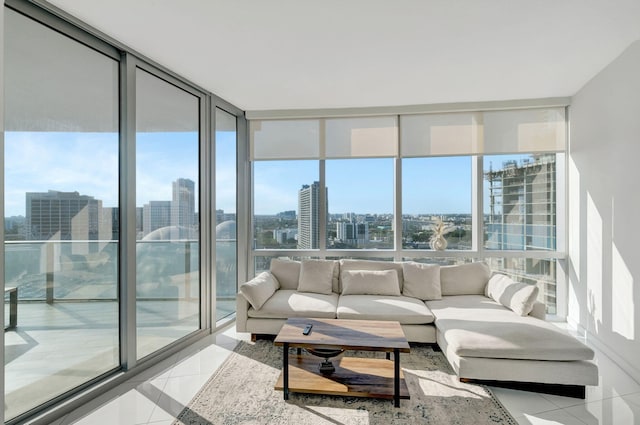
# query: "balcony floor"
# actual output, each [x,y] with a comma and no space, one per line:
[57,347]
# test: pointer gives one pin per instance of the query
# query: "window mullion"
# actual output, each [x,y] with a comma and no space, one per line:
[127,270]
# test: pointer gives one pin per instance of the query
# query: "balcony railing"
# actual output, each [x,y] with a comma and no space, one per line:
[88,270]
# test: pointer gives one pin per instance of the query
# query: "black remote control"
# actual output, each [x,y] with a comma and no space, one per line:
[307,329]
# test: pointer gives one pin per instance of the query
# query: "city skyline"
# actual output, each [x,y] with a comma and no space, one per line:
[62,161]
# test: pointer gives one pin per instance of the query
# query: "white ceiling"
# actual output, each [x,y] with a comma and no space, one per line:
[303,54]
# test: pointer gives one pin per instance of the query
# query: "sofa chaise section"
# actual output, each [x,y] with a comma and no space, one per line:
[485,341]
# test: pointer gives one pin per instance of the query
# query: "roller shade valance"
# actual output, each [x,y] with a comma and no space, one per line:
[488,133]
[361,137]
[420,135]
[284,139]
[324,138]
[525,130]
[441,134]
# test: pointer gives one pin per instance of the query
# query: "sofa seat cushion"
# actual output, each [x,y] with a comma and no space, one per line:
[406,310]
[477,326]
[287,303]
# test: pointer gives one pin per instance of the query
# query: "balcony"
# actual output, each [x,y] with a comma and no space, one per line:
[67,331]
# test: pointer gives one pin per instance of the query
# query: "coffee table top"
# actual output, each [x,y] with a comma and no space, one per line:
[370,335]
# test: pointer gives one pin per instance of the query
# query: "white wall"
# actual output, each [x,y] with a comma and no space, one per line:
[604,210]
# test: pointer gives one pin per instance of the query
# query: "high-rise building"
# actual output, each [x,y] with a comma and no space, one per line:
[352,233]
[183,203]
[283,235]
[309,216]
[62,216]
[139,221]
[156,214]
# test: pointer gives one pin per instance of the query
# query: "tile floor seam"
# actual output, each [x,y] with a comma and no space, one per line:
[578,401]
[575,416]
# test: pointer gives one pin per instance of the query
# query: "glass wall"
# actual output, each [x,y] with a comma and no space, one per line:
[459,186]
[167,188]
[225,231]
[103,188]
[61,213]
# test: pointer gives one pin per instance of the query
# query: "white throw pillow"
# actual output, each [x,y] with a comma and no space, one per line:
[517,296]
[421,281]
[316,276]
[370,282]
[286,271]
[496,286]
[259,289]
[523,299]
[349,264]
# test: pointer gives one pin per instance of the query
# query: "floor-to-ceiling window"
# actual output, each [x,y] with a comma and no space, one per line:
[167,205]
[436,187]
[108,201]
[61,213]
[226,232]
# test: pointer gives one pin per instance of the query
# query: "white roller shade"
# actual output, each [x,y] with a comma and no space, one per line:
[163,107]
[56,84]
[361,137]
[441,134]
[525,130]
[285,139]
[477,133]
[225,121]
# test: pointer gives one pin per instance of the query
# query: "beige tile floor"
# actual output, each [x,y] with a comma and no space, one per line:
[159,394]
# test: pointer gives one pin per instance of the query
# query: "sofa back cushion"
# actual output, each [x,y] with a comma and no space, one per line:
[464,279]
[517,296]
[316,276]
[347,264]
[286,271]
[370,282]
[421,281]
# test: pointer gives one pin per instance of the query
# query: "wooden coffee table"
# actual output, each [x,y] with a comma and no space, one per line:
[360,377]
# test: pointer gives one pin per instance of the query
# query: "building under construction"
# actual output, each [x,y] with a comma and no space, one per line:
[522,217]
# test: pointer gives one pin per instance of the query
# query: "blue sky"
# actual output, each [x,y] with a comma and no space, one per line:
[88,163]
[430,185]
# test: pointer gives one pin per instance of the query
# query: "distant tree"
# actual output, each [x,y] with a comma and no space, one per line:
[457,233]
[421,236]
[266,240]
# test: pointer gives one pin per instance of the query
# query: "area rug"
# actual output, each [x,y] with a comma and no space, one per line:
[241,392]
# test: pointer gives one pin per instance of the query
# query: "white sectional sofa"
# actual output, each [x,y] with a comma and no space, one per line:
[490,328]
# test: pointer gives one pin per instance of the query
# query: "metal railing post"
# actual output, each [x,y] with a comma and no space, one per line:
[50,277]
[187,270]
